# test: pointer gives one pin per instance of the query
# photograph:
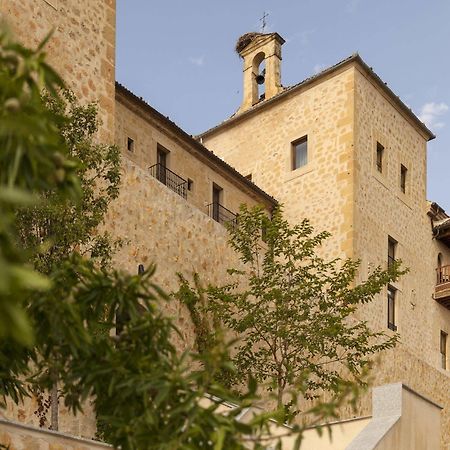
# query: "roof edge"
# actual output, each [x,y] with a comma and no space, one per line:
[354,58]
[121,89]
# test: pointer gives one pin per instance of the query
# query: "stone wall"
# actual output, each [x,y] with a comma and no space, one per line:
[82,48]
[172,233]
[344,114]
[260,143]
[382,210]
[16,436]
[184,158]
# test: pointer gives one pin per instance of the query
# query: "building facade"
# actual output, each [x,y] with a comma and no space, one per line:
[339,148]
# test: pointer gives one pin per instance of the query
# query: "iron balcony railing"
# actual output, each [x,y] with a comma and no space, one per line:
[221,214]
[170,179]
[443,274]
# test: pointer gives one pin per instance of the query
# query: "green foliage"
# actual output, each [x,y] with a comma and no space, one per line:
[292,310]
[143,392]
[32,157]
[60,226]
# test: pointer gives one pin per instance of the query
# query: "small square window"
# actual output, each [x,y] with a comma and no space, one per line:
[403,179]
[130,144]
[380,155]
[391,308]
[300,153]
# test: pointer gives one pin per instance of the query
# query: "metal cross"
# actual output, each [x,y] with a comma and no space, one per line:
[263,20]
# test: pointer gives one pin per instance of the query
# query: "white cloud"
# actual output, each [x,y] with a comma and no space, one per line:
[197,60]
[431,113]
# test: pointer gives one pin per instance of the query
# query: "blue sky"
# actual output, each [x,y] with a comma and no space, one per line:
[179,56]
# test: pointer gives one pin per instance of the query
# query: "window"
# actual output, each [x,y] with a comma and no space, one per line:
[161,159]
[190,184]
[403,172]
[216,199]
[443,349]
[380,154]
[392,247]
[300,153]
[130,144]
[391,308]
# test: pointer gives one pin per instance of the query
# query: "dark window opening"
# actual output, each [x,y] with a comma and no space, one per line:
[391,308]
[403,174]
[300,153]
[217,194]
[443,349]
[130,144]
[380,154]
[392,247]
[190,184]
[161,159]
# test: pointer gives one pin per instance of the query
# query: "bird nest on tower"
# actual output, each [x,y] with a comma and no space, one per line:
[245,40]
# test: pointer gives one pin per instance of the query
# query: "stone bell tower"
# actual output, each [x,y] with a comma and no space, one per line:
[259,50]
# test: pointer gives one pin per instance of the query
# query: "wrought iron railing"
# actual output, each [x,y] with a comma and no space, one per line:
[222,215]
[443,275]
[170,179]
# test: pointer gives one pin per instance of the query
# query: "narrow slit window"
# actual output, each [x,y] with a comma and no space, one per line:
[403,178]
[300,153]
[443,349]
[130,144]
[190,184]
[391,298]
[380,156]
[392,249]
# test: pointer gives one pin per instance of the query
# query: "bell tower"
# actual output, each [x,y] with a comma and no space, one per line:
[261,54]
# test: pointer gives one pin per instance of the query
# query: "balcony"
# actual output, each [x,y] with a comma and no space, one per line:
[222,215]
[170,179]
[442,290]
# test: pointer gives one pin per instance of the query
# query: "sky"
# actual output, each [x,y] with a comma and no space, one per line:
[178,55]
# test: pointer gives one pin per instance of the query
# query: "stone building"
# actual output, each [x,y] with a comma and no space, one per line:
[339,148]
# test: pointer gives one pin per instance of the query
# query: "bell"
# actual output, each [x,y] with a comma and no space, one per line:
[261,77]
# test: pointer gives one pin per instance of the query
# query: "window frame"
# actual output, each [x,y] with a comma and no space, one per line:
[130,144]
[403,177]
[443,342]
[391,307]
[294,145]
[379,157]
[392,245]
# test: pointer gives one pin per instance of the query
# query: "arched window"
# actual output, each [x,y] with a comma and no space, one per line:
[259,75]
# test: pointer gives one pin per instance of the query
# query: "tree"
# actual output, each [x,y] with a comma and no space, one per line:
[62,225]
[33,158]
[291,310]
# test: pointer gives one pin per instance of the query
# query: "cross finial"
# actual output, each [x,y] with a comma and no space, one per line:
[263,21]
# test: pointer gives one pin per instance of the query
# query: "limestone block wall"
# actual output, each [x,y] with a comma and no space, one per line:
[382,210]
[82,47]
[16,436]
[148,131]
[158,226]
[259,143]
